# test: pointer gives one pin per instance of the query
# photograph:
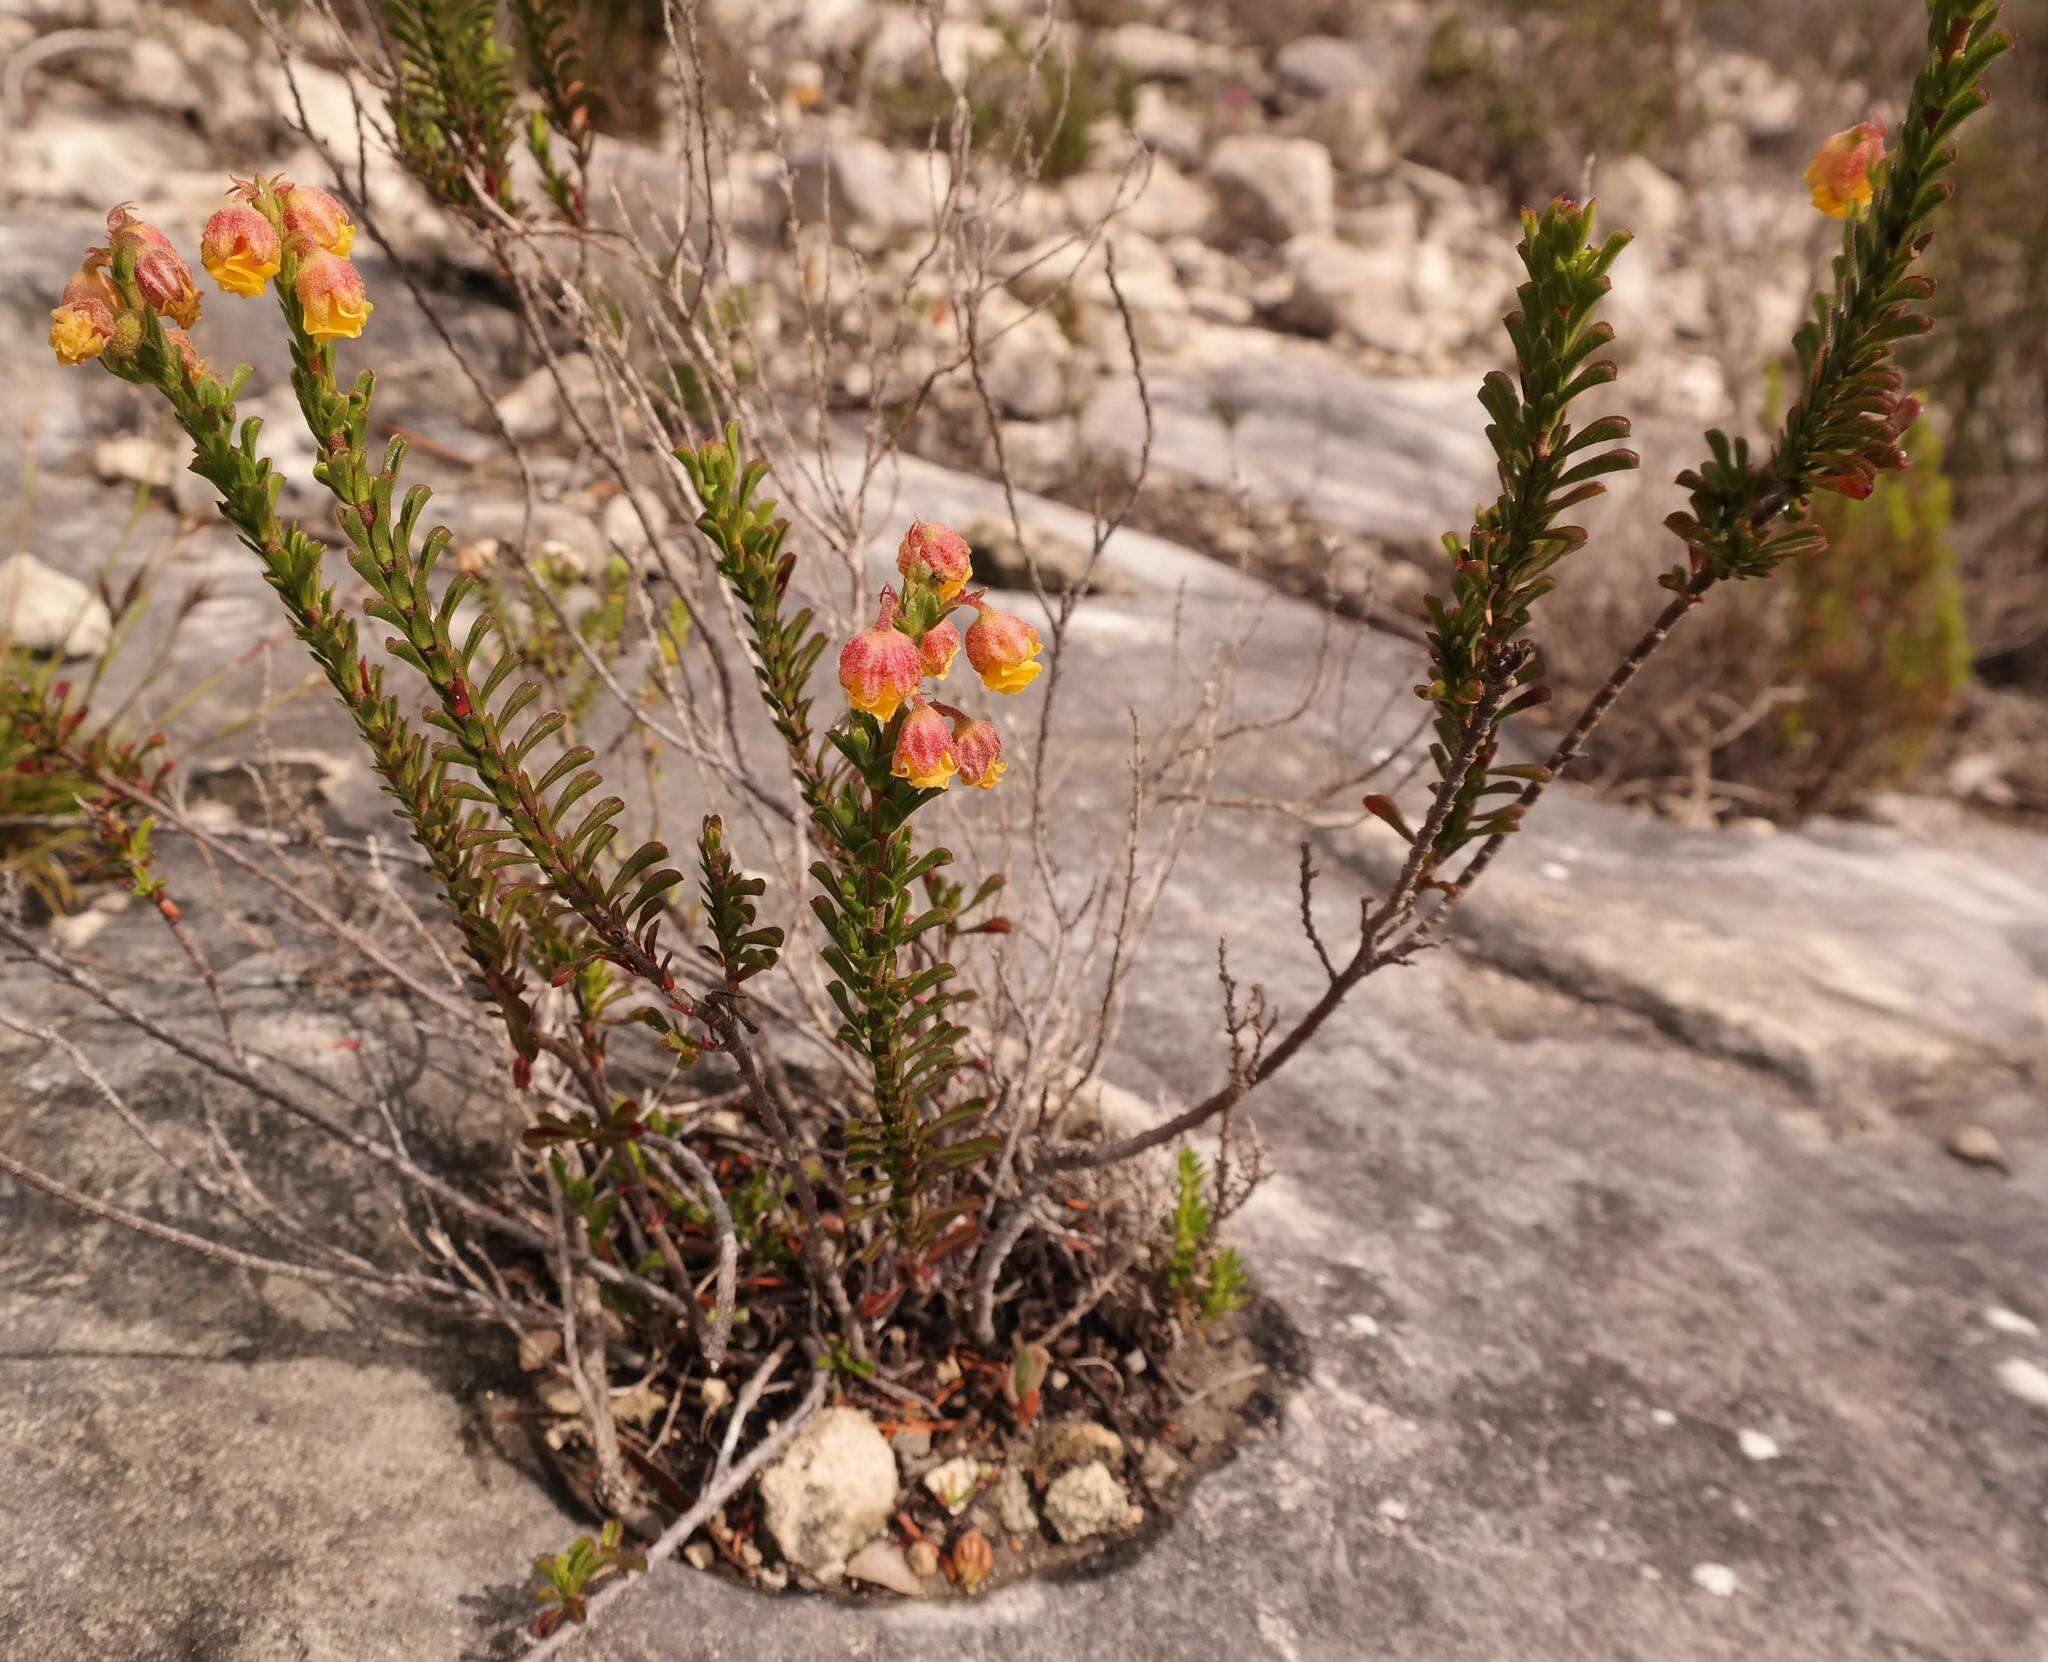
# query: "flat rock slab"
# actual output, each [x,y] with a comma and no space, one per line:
[1561,1213]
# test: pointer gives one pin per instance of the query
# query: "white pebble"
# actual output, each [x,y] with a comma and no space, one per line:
[1363,1324]
[1717,1579]
[2011,1321]
[1555,870]
[1394,1509]
[1663,1419]
[1756,1445]
[2025,1380]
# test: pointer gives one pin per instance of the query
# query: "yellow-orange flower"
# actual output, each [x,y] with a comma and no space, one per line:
[924,749]
[80,330]
[979,749]
[879,667]
[240,250]
[1003,649]
[313,214]
[1839,174]
[940,553]
[331,297]
[939,647]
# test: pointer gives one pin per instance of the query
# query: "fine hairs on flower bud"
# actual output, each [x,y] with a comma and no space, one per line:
[940,553]
[316,218]
[978,748]
[939,647]
[1839,174]
[1003,649]
[879,667]
[161,274]
[331,297]
[241,249]
[924,749]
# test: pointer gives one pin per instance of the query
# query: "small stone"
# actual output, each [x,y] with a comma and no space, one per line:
[714,1393]
[133,459]
[698,1555]
[1134,1362]
[1366,1327]
[1394,1510]
[533,408]
[924,1559]
[953,1484]
[1274,188]
[1974,1145]
[883,1564]
[627,519]
[911,1446]
[42,610]
[1663,1419]
[1756,1445]
[1159,1467]
[830,1491]
[2011,1321]
[1075,1442]
[1085,1502]
[1012,1497]
[2025,1380]
[1717,1579]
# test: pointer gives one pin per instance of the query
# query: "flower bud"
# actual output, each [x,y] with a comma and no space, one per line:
[161,274]
[315,216]
[331,297]
[924,749]
[941,554]
[1839,174]
[978,748]
[90,282]
[187,354]
[938,649]
[1003,649]
[879,667]
[79,330]
[240,250]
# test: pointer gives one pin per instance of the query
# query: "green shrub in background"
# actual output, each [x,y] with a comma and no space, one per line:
[1879,645]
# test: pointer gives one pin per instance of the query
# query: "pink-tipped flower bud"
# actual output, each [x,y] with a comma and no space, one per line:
[879,667]
[161,274]
[979,749]
[312,214]
[90,283]
[924,749]
[186,353]
[1839,174]
[938,649]
[941,554]
[1003,649]
[331,298]
[241,250]
[80,329]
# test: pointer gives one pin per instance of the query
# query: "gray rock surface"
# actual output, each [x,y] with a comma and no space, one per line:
[1652,1153]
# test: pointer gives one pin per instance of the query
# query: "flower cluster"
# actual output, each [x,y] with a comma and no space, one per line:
[270,226]
[913,639]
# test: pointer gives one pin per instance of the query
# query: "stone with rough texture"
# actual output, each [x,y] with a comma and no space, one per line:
[1075,1443]
[1274,188]
[1086,1501]
[44,611]
[829,1492]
